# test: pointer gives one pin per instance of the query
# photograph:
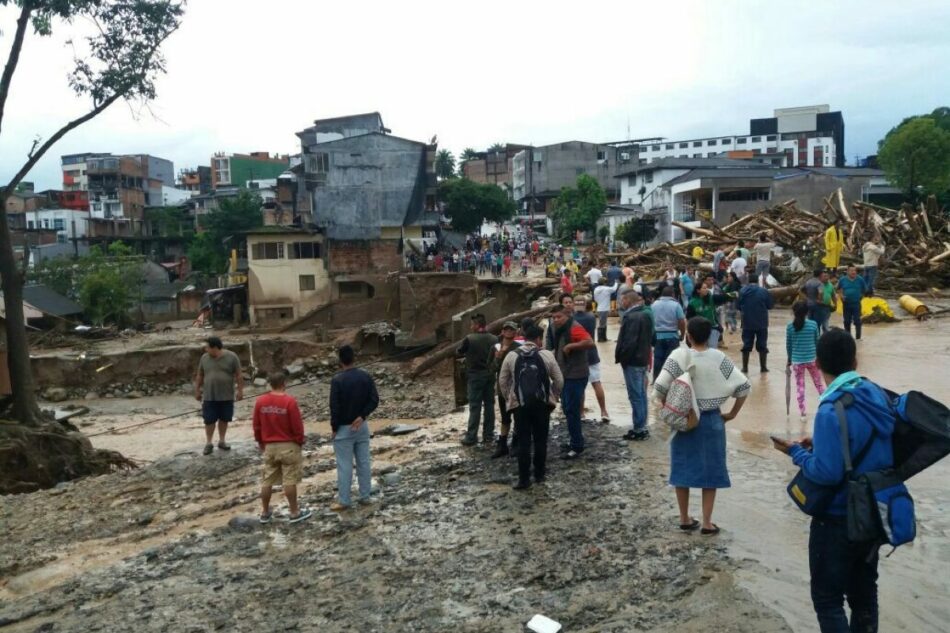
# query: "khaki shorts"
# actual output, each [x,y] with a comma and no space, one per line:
[283,464]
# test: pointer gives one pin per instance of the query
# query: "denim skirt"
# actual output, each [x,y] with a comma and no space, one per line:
[698,457]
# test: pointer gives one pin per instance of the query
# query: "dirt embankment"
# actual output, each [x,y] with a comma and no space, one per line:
[448,546]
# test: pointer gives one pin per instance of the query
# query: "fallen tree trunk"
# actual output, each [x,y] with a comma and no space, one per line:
[494,327]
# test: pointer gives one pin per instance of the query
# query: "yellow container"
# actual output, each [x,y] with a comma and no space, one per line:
[914,306]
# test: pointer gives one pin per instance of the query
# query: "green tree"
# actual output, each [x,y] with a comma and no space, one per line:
[106,297]
[223,229]
[578,208]
[637,232]
[496,147]
[469,203]
[468,154]
[915,155]
[444,164]
[120,60]
[603,233]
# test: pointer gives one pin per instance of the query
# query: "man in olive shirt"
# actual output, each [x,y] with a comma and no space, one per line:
[478,348]
[219,370]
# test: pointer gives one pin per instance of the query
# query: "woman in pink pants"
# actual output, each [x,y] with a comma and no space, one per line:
[801,337]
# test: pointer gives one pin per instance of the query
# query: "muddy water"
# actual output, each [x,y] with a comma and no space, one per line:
[764,530]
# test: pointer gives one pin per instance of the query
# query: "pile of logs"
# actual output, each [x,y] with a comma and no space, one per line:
[917,241]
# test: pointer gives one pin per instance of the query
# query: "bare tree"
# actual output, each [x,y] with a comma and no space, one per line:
[119,61]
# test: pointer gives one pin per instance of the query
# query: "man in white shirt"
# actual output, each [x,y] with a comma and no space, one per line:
[763,258]
[738,267]
[593,276]
[873,251]
[602,294]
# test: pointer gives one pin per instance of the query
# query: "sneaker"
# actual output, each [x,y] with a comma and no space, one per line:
[303,515]
[367,501]
[209,448]
[565,448]
[639,436]
[629,434]
[266,516]
[223,447]
[467,441]
[605,419]
[571,454]
[522,485]
[336,506]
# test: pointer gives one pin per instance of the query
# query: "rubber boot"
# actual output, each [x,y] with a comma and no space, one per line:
[857,331]
[745,362]
[601,335]
[762,357]
[502,449]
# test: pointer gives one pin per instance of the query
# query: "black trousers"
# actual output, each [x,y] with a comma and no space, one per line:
[503,407]
[532,424]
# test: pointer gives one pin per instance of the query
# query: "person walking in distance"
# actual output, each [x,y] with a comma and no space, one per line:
[801,339]
[531,381]
[763,259]
[570,344]
[670,323]
[633,353]
[478,348]
[589,323]
[505,346]
[353,397]
[698,457]
[755,302]
[872,251]
[851,289]
[602,295]
[278,431]
[218,383]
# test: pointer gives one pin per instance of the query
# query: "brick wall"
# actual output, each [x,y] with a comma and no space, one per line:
[364,256]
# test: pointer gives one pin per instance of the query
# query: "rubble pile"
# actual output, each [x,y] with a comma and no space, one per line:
[917,242]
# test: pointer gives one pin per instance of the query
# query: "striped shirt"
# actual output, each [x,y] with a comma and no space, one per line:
[800,345]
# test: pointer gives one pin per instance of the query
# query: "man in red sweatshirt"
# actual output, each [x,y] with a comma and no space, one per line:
[278,430]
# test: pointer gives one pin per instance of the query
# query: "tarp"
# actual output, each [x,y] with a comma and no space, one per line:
[873,306]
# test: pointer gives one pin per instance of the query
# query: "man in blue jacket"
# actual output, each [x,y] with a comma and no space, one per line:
[754,303]
[841,569]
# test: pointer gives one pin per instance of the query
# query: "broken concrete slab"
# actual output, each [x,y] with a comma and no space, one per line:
[398,429]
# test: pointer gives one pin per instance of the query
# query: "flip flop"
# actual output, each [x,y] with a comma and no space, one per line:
[691,526]
[265,518]
[303,515]
[710,532]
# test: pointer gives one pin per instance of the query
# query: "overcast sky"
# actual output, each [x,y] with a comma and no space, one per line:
[245,75]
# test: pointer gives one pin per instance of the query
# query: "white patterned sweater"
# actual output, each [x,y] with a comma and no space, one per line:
[714,376]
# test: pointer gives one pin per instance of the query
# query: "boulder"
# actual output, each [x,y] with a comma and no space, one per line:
[56,394]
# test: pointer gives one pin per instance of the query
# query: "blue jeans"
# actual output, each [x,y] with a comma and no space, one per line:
[635,378]
[841,569]
[571,396]
[852,314]
[346,445]
[870,276]
[661,351]
[820,314]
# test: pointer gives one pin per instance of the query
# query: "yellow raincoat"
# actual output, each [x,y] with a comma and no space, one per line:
[834,244]
[698,252]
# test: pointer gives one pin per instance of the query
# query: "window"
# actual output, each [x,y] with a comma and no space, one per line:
[648,177]
[632,181]
[30,224]
[304,250]
[740,141]
[710,154]
[308,282]
[756,152]
[669,146]
[700,155]
[655,148]
[59,224]
[268,250]
[579,171]
[727,141]
[770,137]
[743,195]
[46,223]
[711,141]
[318,163]
[355,290]
[601,155]
[756,139]
[60,238]
[697,143]
[682,145]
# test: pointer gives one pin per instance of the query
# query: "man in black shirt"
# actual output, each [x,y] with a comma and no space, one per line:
[478,348]
[353,397]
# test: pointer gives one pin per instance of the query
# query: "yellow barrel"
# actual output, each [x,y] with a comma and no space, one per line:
[914,306]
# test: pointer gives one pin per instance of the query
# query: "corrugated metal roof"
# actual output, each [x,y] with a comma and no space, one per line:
[50,302]
[762,172]
[692,163]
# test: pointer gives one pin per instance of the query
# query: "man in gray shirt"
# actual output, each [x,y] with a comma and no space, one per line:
[219,370]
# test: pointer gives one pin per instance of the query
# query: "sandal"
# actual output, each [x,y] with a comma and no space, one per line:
[301,516]
[710,531]
[690,526]
[266,516]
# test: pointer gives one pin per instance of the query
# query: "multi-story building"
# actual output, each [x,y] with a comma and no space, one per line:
[807,136]
[236,170]
[494,166]
[69,224]
[116,195]
[74,170]
[195,180]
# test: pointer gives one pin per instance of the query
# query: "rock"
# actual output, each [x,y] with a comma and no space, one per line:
[170,517]
[56,394]
[91,395]
[244,523]
[134,395]
[391,479]
[260,382]
[295,370]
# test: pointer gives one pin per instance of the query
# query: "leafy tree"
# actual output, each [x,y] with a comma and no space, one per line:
[470,203]
[468,154]
[603,233]
[444,164]
[496,147]
[119,61]
[170,221]
[223,229]
[106,297]
[916,154]
[637,232]
[578,208]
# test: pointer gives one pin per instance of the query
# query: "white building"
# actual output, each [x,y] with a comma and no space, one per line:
[172,197]
[68,223]
[807,136]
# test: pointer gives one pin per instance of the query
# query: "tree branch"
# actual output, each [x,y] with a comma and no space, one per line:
[38,154]
[21,24]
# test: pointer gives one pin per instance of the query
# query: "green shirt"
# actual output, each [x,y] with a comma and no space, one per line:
[219,376]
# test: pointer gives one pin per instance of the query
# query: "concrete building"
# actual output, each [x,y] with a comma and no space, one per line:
[235,170]
[69,224]
[539,173]
[287,275]
[195,180]
[116,195]
[494,167]
[74,170]
[807,136]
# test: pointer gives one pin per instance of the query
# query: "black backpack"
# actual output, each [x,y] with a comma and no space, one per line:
[532,384]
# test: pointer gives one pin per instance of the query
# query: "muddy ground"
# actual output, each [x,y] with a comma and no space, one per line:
[448,545]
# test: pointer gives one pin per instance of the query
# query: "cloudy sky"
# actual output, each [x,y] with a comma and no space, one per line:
[245,75]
